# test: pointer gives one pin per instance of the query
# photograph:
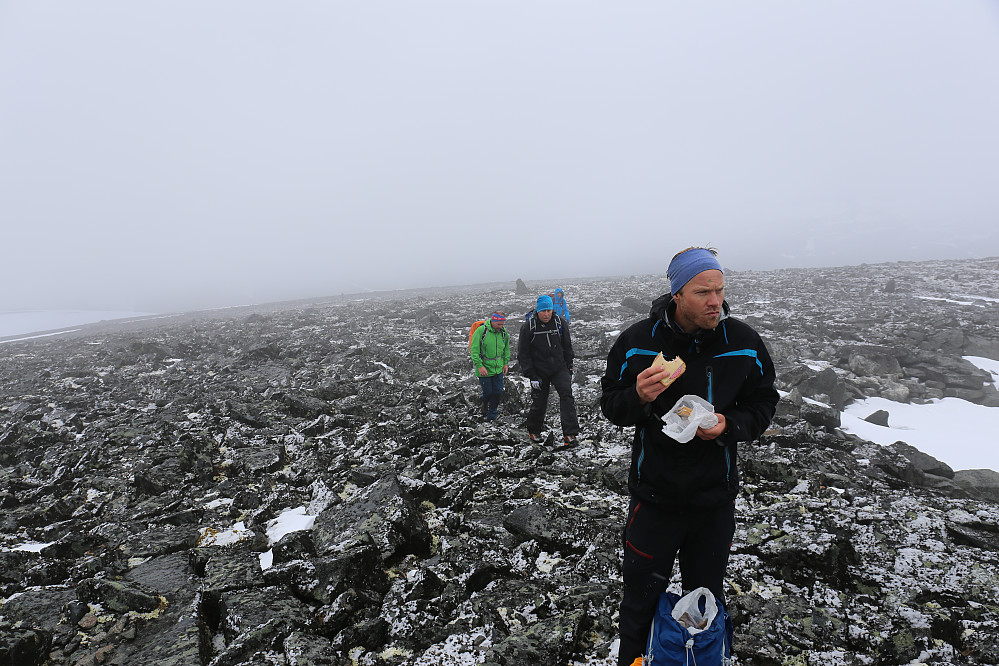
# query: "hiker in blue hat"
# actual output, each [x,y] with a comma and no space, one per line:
[682,494]
[545,354]
[561,307]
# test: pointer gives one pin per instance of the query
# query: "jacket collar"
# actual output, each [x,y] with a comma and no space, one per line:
[664,309]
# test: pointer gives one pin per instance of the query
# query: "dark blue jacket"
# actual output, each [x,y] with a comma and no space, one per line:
[544,349]
[729,366]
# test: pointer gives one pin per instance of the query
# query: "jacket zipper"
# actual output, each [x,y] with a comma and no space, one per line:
[641,456]
[728,459]
[499,346]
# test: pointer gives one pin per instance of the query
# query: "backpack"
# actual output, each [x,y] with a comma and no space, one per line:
[475,327]
[471,333]
[670,642]
[533,321]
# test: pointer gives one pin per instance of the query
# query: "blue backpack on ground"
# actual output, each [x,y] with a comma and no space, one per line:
[694,629]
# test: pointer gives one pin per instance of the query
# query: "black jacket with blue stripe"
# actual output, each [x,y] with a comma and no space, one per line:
[729,366]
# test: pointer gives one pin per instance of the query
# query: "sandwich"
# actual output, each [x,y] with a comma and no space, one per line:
[675,368]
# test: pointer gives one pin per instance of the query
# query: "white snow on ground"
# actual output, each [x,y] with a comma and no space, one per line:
[987,364]
[957,432]
[290,520]
[22,322]
[945,300]
[40,335]
[30,546]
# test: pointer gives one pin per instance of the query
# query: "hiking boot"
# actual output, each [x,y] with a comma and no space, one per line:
[569,441]
[535,437]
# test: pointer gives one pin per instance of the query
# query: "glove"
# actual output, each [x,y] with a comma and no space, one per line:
[536,384]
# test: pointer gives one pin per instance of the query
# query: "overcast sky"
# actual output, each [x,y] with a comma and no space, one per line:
[170,155]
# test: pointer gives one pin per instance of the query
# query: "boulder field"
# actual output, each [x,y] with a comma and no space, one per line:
[311,483]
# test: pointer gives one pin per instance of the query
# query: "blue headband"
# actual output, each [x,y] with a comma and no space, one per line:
[688,264]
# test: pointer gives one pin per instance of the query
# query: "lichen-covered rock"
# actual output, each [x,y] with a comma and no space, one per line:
[118,596]
[23,646]
[382,511]
[552,525]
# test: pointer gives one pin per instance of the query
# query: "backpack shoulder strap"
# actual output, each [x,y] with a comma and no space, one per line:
[482,339]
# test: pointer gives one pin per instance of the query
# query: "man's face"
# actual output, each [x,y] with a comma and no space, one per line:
[699,303]
[545,315]
[497,325]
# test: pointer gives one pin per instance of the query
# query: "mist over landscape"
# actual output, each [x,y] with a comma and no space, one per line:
[158,158]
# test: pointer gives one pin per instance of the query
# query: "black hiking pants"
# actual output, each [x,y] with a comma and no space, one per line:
[562,380]
[653,538]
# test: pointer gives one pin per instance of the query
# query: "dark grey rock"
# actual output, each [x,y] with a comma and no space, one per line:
[825,383]
[871,361]
[979,345]
[243,612]
[304,649]
[44,609]
[382,511]
[983,483]
[924,461]
[551,524]
[119,596]
[879,417]
[635,305]
[820,416]
[24,646]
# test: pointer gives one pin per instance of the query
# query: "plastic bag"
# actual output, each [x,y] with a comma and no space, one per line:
[687,611]
[688,414]
[682,634]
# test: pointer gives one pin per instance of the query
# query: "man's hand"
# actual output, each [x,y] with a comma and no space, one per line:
[536,384]
[483,372]
[506,369]
[713,433]
[649,384]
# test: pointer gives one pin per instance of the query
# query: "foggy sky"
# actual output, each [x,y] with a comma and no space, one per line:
[160,156]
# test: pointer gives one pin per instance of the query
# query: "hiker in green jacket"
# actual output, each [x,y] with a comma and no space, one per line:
[490,350]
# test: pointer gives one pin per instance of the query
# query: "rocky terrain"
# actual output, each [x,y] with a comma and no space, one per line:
[149,473]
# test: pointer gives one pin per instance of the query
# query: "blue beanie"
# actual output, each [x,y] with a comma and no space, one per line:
[687,264]
[544,303]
